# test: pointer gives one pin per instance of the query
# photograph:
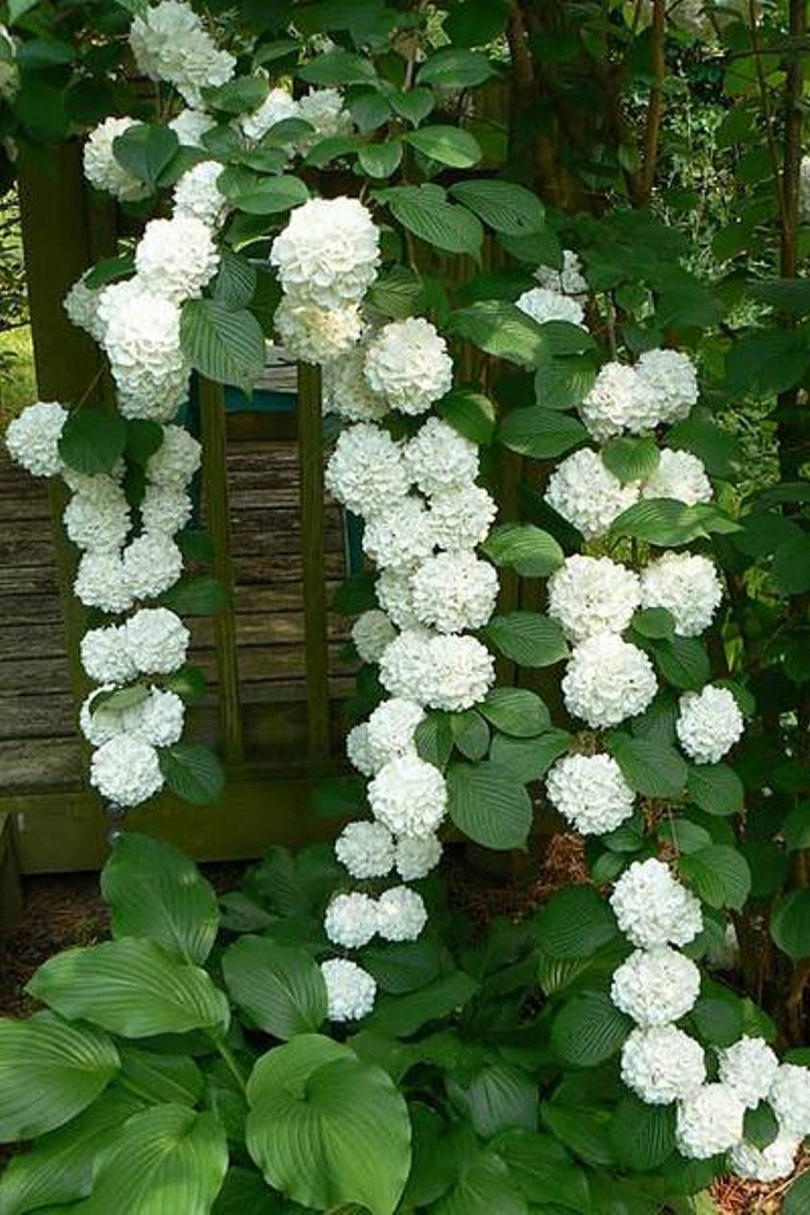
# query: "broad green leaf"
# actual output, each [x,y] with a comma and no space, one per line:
[279,988]
[470,733]
[245,1193]
[631,459]
[717,1017]
[562,382]
[156,891]
[425,211]
[683,662]
[434,739]
[401,1016]
[790,924]
[339,67]
[334,147]
[259,195]
[516,711]
[144,438]
[719,875]
[200,596]
[499,328]
[470,413]
[237,96]
[396,293]
[575,923]
[489,805]
[650,768]
[643,1135]
[503,205]
[145,150]
[109,270]
[528,638]
[655,623]
[716,788]
[455,68]
[92,440]
[719,450]
[369,110]
[526,549]
[797,1199]
[380,159]
[404,966]
[497,1098]
[543,1170]
[18,8]
[414,105]
[540,432]
[528,759]
[222,344]
[586,1131]
[448,145]
[170,1079]
[484,1187]
[791,565]
[132,988]
[761,1126]
[193,772]
[589,1029]
[49,1072]
[669,523]
[326,1128]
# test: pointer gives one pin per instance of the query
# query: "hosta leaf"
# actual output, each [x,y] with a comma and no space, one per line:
[643,1135]
[543,1170]
[280,988]
[402,1016]
[496,1099]
[485,1186]
[589,1029]
[170,1079]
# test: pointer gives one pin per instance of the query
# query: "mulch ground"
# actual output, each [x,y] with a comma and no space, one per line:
[66,910]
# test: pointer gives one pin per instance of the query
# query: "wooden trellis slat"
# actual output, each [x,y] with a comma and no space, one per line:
[310,449]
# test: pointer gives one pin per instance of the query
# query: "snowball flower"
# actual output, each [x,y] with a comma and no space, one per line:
[391,729]
[155,641]
[662,1064]
[461,517]
[679,475]
[399,535]
[190,125]
[158,719]
[316,335]
[438,458]
[749,1068]
[105,657]
[81,307]
[408,364]
[98,520]
[619,400]
[169,43]
[164,509]
[328,253]
[543,305]
[104,723]
[608,680]
[176,461]
[401,914]
[687,585]
[152,563]
[454,591]
[357,750]
[346,391]
[790,1099]
[197,194]
[416,856]
[176,258]
[568,281]
[710,1121]
[350,990]
[462,671]
[114,300]
[278,106]
[394,595]
[405,666]
[351,920]
[409,796]
[709,724]
[588,595]
[767,1164]
[366,849]
[371,633]
[126,770]
[671,377]
[653,908]
[587,494]
[656,986]
[142,341]
[101,168]
[323,110]
[590,793]
[365,472]
[32,438]
[101,582]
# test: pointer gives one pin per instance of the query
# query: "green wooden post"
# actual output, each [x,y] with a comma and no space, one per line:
[310,447]
[215,481]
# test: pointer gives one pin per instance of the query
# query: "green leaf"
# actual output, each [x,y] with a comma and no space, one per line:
[49,1072]
[145,150]
[497,1098]
[516,711]
[575,923]
[716,788]
[503,205]
[589,1029]
[470,413]
[683,662]
[643,1135]
[414,106]
[655,623]
[222,344]
[470,734]
[119,698]
[425,211]
[526,549]
[326,1128]
[280,988]
[193,772]
[200,596]
[455,68]
[717,1017]
[259,195]
[237,96]
[669,523]
[334,147]
[489,805]
[499,328]
[380,159]
[586,1131]
[155,891]
[245,1193]
[447,145]
[132,988]
[543,1170]
[791,565]
[162,1151]
[369,110]
[483,1187]
[401,1016]
[18,8]
[790,924]
[528,638]
[92,441]
[434,739]
[405,966]
[162,1078]
[560,383]
[143,439]
[631,459]
[650,768]
[719,875]
[719,450]
[541,433]
[528,759]
[339,67]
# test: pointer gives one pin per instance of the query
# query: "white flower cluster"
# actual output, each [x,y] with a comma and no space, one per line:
[102,169]
[32,438]
[322,109]
[353,919]
[587,494]
[407,364]
[679,475]
[169,43]
[198,196]
[350,990]
[608,680]
[687,585]
[709,724]
[590,793]
[543,305]
[589,595]
[329,252]
[567,281]
[661,388]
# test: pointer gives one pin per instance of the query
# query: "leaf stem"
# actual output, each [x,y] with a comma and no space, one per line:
[231,1063]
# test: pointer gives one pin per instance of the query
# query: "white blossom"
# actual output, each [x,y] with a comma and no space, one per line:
[371,633]
[105,657]
[350,990]
[401,914]
[438,458]
[462,671]
[81,307]
[461,517]
[652,908]
[100,726]
[542,305]
[366,849]
[317,335]
[126,770]
[101,168]
[158,719]
[608,680]
[278,106]
[588,595]
[176,258]
[662,1064]
[114,299]
[587,494]
[98,520]
[767,1164]
[568,281]
[409,796]
[391,729]
[671,376]
[454,591]
[619,401]
[749,1067]
[155,641]
[679,475]
[323,110]
[152,563]
[197,194]
[176,461]
[405,666]
[190,125]
[656,986]
[346,391]
[142,341]
[169,43]
[365,472]
[101,582]
[165,509]
[789,1098]
[399,535]
[351,920]
[91,484]
[417,855]
[328,253]
[709,1121]
[395,597]
[687,585]
[358,752]
[32,438]
[407,363]
[590,793]
[709,724]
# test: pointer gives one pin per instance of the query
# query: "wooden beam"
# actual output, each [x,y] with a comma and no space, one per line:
[11,899]
[310,448]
